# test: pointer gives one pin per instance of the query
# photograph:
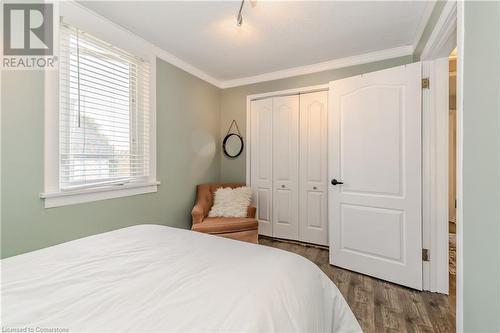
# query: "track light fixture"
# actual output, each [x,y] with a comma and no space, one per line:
[239,19]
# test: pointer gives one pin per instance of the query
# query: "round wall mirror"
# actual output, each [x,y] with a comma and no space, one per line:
[232,145]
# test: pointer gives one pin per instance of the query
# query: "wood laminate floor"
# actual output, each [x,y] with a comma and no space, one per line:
[380,306]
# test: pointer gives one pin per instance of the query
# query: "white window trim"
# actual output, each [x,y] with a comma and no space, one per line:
[64,198]
[101,28]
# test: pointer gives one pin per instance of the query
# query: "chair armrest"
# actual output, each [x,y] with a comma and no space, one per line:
[198,213]
[251,211]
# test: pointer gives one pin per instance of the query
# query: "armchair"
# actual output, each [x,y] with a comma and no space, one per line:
[240,228]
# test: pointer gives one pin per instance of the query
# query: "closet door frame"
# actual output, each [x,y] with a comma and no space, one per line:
[250,98]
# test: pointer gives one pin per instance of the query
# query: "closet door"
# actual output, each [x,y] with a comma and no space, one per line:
[285,167]
[261,165]
[313,168]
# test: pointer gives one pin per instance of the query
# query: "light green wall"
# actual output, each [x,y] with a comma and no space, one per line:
[188,126]
[193,116]
[481,167]
[233,103]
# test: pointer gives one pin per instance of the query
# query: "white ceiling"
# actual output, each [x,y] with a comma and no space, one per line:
[275,36]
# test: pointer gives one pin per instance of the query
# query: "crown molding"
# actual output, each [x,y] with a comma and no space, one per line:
[173,60]
[281,74]
[159,52]
[341,62]
[423,23]
[322,66]
[443,30]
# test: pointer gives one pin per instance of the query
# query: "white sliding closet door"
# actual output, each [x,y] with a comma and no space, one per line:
[285,166]
[262,162]
[313,168]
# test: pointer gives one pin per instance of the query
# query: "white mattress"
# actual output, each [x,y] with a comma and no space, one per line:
[156,278]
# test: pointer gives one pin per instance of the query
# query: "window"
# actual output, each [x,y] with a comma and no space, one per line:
[103,134]
[104,113]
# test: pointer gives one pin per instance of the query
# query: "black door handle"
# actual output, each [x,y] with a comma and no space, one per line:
[335,182]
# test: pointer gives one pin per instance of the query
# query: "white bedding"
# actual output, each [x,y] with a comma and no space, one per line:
[156,278]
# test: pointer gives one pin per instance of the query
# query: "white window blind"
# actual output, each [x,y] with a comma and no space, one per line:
[104,113]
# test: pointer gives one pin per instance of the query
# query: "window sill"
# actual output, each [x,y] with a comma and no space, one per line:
[64,198]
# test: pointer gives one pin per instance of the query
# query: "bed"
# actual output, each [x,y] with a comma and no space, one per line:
[152,278]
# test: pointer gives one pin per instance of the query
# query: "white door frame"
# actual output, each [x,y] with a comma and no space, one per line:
[435,115]
[447,34]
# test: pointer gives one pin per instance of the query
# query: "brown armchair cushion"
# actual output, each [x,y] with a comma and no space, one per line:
[217,225]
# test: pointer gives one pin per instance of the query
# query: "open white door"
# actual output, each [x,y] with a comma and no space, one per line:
[374,166]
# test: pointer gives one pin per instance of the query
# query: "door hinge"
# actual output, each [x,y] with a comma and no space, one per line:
[425,254]
[425,83]
[455,203]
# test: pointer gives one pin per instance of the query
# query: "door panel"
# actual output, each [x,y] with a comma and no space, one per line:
[264,204]
[361,223]
[261,162]
[283,204]
[375,150]
[316,217]
[285,166]
[313,168]
[373,161]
